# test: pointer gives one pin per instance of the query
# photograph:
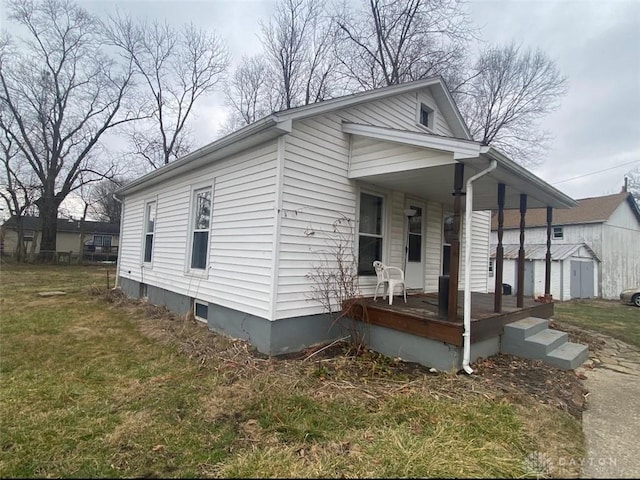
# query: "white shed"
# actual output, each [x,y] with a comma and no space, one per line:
[574,270]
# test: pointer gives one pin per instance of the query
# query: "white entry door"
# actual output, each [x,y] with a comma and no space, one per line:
[414,247]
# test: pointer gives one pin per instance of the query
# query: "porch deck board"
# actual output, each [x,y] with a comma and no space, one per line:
[419,316]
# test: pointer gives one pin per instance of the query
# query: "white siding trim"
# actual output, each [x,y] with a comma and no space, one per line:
[194,187]
[277,222]
[147,201]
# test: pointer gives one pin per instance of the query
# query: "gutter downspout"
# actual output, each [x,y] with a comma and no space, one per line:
[466,336]
[117,282]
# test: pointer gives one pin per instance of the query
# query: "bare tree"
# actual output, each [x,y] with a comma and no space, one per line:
[178,67]
[512,91]
[61,93]
[298,66]
[298,40]
[102,205]
[250,93]
[17,188]
[386,42]
[633,183]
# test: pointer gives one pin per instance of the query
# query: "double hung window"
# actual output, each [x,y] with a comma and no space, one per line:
[370,232]
[149,229]
[201,223]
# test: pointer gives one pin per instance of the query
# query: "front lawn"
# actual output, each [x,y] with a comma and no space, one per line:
[95,385]
[610,317]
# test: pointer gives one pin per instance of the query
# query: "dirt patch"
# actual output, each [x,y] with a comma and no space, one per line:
[518,377]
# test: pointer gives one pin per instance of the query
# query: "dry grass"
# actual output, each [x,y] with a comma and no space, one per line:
[96,385]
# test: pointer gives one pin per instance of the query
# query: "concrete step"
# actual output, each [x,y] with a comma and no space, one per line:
[568,356]
[544,342]
[531,338]
[520,330]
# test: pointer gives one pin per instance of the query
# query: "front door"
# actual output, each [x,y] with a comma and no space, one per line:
[414,248]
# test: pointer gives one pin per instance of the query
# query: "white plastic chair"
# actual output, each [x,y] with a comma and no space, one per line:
[383,272]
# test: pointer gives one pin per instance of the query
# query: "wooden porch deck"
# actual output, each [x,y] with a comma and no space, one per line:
[419,316]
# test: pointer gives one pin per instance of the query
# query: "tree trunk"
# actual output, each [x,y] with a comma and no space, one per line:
[48,207]
[20,246]
[82,235]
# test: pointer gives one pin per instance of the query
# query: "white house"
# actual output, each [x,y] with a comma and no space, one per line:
[595,247]
[234,229]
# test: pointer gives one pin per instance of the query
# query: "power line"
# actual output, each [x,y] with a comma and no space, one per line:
[593,173]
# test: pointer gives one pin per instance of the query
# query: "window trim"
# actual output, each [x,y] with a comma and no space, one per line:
[424,102]
[383,228]
[197,302]
[145,233]
[199,272]
[557,232]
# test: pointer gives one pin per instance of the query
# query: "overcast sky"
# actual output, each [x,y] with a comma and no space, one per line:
[596,44]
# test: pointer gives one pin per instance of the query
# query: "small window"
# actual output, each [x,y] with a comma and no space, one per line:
[149,229]
[426,116]
[491,267]
[558,234]
[201,225]
[370,235]
[28,236]
[201,310]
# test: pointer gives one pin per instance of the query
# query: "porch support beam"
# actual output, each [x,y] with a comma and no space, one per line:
[523,211]
[454,259]
[499,266]
[547,271]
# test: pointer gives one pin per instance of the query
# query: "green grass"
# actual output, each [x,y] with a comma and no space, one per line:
[95,389]
[609,317]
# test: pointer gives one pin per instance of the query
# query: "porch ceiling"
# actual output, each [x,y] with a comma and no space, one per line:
[435,181]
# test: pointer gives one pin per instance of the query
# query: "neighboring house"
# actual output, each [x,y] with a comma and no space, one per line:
[233,230]
[595,247]
[99,239]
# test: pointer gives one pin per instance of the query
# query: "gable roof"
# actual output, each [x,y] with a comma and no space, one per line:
[64,225]
[587,210]
[538,251]
[280,123]
[441,94]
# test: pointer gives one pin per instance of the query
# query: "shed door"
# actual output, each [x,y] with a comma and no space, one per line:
[529,278]
[581,279]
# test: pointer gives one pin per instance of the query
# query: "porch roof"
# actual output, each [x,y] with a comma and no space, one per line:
[433,179]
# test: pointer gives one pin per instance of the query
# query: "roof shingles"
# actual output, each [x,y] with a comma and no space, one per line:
[587,210]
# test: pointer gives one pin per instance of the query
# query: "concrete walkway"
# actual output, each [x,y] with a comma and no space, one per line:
[611,422]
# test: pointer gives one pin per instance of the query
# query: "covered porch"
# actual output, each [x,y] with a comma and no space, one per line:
[462,176]
[421,315]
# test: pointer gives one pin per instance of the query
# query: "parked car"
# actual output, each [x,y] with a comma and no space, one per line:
[631,295]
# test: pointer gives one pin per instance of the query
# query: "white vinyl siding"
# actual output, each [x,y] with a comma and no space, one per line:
[480,227]
[434,239]
[371,157]
[397,230]
[399,112]
[241,240]
[316,193]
